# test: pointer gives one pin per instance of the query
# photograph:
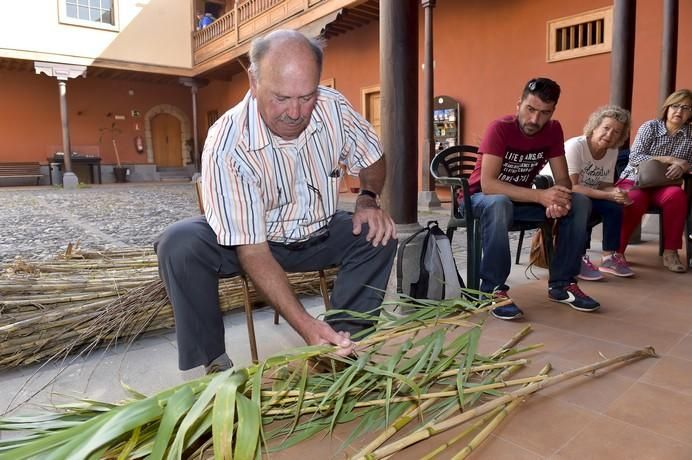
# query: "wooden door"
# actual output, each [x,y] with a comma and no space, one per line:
[166,137]
[370,103]
[372,110]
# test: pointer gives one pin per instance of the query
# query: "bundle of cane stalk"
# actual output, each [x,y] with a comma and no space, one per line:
[413,376]
[86,299]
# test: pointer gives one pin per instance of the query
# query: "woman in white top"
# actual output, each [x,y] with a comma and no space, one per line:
[591,162]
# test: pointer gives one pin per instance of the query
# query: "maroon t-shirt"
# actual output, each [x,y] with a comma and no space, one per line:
[522,156]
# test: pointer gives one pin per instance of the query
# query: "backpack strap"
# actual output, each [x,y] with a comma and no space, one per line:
[452,280]
[400,259]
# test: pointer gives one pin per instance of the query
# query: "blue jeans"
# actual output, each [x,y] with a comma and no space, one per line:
[610,213]
[496,214]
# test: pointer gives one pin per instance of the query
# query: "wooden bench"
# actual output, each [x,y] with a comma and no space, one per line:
[21,171]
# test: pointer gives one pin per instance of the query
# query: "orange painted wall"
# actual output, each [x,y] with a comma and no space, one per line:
[219,96]
[30,115]
[353,60]
[486,51]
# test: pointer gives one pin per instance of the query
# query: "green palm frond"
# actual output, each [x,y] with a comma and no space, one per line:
[418,371]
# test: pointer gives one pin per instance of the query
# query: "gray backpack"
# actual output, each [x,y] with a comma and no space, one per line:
[425,267]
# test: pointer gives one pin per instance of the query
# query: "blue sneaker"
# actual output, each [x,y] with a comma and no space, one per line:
[507,312]
[574,297]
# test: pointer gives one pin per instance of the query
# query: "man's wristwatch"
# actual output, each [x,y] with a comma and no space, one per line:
[364,192]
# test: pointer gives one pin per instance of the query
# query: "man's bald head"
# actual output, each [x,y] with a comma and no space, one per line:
[283,42]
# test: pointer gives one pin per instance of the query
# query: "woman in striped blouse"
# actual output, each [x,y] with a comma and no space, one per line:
[667,139]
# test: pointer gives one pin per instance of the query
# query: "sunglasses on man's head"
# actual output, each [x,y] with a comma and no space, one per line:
[534,85]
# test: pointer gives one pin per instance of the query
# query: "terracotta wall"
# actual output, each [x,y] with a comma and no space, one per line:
[219,96]
[30,115]
[485,52]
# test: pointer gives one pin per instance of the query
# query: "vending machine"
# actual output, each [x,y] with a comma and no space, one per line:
[446,122]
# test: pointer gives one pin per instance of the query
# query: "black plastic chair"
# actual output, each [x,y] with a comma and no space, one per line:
[453,167]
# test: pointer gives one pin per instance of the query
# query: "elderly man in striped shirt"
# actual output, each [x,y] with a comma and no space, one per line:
[271,169]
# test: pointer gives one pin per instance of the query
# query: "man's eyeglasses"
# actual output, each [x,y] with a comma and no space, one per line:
[297,237]
[684,108]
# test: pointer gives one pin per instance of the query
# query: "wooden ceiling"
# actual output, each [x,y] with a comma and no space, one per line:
[22,65]
[352,18]
[16,65]
[130,75]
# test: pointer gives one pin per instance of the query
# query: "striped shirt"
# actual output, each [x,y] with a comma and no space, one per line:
[653,140]
[258,187]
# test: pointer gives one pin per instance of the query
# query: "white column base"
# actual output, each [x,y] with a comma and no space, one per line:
[70,181]
[428,200]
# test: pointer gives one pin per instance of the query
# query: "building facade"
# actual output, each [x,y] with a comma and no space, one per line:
[135,53]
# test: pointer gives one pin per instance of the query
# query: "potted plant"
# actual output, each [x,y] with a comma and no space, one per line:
[119,171]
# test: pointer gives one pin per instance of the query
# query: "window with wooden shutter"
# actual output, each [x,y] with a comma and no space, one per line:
[580,35]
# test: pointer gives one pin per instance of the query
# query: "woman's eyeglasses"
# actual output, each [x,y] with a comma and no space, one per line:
[684,108]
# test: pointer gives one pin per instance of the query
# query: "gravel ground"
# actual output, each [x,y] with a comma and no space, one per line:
[39,222]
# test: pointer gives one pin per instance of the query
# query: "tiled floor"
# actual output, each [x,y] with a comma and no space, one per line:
[638,411]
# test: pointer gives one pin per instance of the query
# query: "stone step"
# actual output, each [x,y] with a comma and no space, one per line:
[174,178]
[173,174]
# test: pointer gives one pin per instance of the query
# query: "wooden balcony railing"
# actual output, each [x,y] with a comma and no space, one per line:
[220,27]
[252,8]
[247,17]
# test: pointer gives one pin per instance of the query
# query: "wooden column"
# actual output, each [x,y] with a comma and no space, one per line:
[399,106]
[669,49]
[427,198]
[64,120]
[622,65]
[194,86]
[428,95]
[622,55]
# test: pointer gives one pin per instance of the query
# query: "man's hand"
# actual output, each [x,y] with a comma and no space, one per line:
[557,201]
[555,211]
[381,227]
[556,195]
[320,333]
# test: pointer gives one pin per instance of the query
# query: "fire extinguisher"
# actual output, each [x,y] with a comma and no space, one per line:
[139,144]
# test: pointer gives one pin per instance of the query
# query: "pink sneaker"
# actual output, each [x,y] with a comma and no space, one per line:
[588,272]
[616,265]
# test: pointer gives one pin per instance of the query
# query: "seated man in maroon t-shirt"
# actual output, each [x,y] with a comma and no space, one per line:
[512,152]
